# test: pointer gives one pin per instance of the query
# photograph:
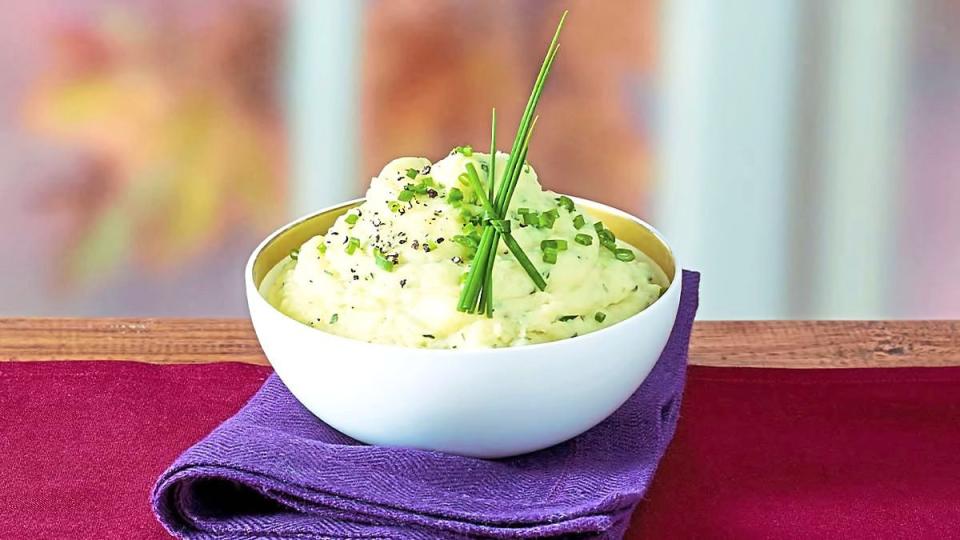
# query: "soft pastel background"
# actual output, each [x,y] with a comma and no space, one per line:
[805,155]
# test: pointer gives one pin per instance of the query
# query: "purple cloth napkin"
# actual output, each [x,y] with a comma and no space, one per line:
[275,470]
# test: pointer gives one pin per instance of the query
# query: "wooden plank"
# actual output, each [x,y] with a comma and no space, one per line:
[783,344]
[177,341]
[826,344]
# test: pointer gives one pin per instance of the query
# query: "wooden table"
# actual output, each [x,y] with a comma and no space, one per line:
[770,344]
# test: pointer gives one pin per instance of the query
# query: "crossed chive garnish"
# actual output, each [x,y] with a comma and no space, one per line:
[477,293]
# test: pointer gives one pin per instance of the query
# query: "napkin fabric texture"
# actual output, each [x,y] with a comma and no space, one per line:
[274,470]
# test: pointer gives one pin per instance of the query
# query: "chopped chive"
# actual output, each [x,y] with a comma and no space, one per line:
[566,203]
[579,222]
[600,316]
[455,195]
[558,245]
[607,239]
[566,318]
[322,247]
[531,218]
[624,254]
[394,206]
[468,215]
[382,260]
[295,253]
[351,219]
[598,226]
[466,150]
[352,245]
[465,240]
[429,336]
[405,195]
[548,218]
[583,239]
[550,256]
[334,318]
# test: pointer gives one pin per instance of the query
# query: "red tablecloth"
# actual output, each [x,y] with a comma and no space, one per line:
[758,453]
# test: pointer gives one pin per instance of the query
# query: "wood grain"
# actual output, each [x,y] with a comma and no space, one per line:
[782,344]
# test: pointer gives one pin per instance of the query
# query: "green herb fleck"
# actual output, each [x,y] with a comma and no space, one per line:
[566,318]
[550,256]
[382,260]
[412,173]
[455,195]
[352,245]
[566,203]
[579,222]
[466,240]
[600,316]
[583,239]
[351,219]
[558,245]
[625,255]
[466,150]
[405,196]
[548,218]
[295,253]
[530,218]
[334,318]
[607,239]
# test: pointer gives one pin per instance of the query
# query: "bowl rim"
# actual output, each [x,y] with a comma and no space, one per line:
[673,287]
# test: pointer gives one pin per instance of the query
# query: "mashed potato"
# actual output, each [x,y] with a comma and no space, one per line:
[391,270]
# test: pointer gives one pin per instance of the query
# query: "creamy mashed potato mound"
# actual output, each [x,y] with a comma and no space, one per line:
[391,270]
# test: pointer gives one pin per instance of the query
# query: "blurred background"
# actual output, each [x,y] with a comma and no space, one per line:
[803,154]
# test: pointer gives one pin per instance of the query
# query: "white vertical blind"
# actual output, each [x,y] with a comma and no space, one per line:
[861,140]
[322,94]
[722,191]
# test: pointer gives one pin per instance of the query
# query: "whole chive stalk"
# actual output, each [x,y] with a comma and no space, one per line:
[500,228]
[489,243]
[481,267]
[486,295]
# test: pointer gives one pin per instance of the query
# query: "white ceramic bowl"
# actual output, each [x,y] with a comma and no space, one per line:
[485,403]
